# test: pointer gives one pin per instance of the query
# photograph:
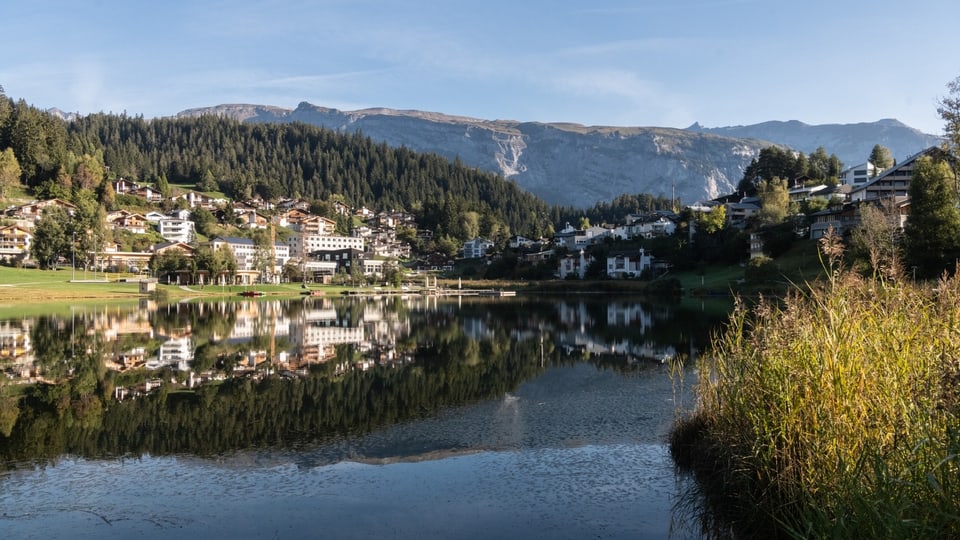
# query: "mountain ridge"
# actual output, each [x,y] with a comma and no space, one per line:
[575,165]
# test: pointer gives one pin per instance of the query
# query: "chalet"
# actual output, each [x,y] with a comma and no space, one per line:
[257,203]
[574,239]
[317,225]
[538,256]
[146,192]
[154,217]
[32,211]
[182,213]
[198,200]
[124,187]
[389,249]
[382,220]
[15,243]
[646,226]
[292,218]
[341,209]
[294,204]
[252,219]
[405,219]
[517,242]
[127,221]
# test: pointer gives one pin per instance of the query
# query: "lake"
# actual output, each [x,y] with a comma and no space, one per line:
[397,417]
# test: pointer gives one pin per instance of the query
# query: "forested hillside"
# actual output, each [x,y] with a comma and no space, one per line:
[57,158]
[297,160]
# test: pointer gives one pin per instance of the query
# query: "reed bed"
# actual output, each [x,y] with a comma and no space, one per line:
[832,413]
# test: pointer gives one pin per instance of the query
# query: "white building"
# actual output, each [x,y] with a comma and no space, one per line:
[892,182]
[245,253]
[476,248]
[302,245]
[177,230]
[628,265]
[574,265]
[858,174]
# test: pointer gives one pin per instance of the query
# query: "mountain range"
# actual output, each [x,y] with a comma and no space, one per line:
[575,165]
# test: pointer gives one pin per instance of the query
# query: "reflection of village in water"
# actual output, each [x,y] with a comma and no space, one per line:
[191,344]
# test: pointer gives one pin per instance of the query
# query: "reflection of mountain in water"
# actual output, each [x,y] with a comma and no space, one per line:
[223,376]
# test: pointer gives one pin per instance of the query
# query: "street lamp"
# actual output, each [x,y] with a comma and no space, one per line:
[73,256]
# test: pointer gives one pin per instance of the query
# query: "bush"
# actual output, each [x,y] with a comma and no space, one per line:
[761,269]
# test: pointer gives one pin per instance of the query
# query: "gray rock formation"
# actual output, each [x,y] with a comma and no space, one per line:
[571,164]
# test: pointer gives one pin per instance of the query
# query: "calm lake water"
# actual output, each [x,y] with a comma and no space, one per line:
[347,418]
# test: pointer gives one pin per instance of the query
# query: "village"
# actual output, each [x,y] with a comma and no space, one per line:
[302,246]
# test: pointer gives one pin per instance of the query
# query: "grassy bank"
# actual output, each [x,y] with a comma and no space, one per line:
[833,414]
[22,288]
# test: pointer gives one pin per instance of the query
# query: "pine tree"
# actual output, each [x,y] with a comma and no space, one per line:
[932,232]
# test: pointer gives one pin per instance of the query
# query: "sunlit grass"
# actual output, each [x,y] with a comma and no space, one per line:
[834,413]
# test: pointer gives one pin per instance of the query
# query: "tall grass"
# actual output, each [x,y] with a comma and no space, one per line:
[833,413]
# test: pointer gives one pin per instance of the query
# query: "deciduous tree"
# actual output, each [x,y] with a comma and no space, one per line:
[949,110]
[774,201]
[51,239]
[878,239]
[9,172]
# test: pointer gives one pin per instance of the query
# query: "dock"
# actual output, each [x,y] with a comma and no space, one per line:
[468,292]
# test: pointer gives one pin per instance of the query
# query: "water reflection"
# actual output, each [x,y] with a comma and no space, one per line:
[403,417]
[213,377]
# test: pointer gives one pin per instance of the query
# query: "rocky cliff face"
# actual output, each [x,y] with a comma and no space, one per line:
[570,164]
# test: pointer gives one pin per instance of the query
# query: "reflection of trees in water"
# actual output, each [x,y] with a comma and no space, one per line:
[454,352]
[242,413]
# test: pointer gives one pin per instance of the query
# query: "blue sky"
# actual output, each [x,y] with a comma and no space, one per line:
[604,62]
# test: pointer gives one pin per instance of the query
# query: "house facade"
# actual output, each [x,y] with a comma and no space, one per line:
[301,245]
[476,248]
[332,261]
[895,181]
[15,243]
[177,230]
[127,221]
[628,265]
[574,265]
[245,253]
[859,174]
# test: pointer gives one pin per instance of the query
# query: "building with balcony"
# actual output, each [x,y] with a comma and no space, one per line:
[177,230]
